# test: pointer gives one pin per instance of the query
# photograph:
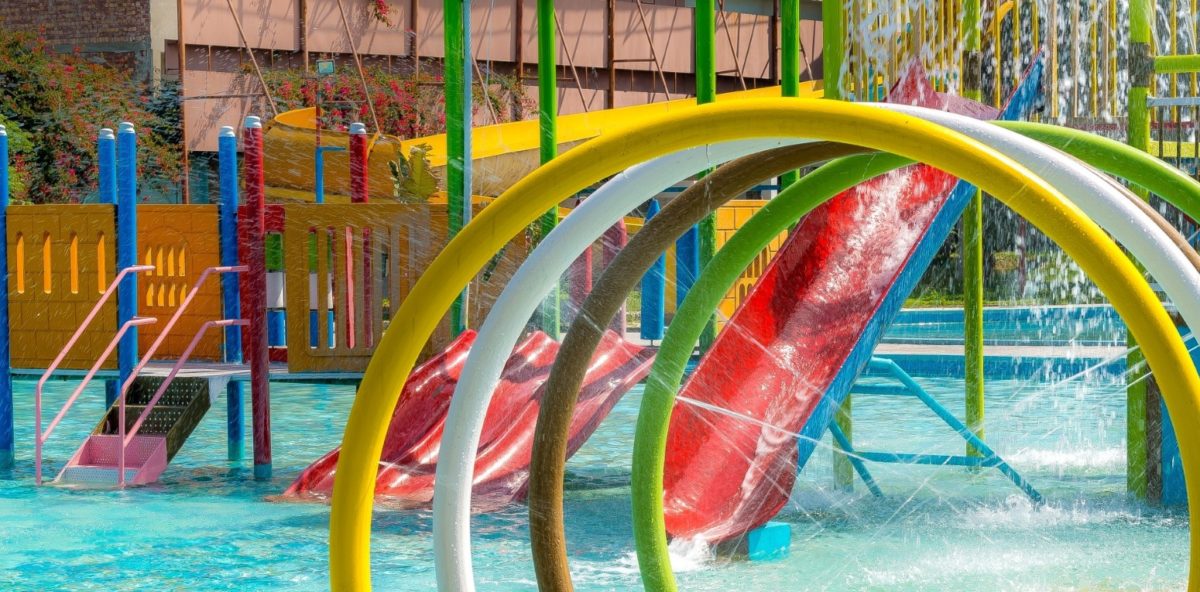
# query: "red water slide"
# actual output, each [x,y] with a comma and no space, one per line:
[730,471]
[409,458]
[415,432]
[502,464]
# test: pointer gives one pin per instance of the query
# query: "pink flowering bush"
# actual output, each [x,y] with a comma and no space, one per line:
[59,103]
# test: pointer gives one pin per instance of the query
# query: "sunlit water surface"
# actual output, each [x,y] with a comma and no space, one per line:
[208,526]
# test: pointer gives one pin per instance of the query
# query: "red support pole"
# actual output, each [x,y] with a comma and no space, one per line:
[358,194]
[254,296]
[615,239]
[358,163]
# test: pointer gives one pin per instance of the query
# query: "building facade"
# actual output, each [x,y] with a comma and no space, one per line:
[611,53]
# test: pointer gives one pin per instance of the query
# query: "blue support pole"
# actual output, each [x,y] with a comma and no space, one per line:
[654,287]
[7,448]
[230,297]
[106,157]
[855,458]
[106,151]
[687,263]
[987,457]
[127,350]
[319,171]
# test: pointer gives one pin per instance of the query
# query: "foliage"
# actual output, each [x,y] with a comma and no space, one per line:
[412,177]
[19,142]
[380,11]
[61,102]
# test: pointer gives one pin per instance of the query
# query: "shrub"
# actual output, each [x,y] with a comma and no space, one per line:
[59,103]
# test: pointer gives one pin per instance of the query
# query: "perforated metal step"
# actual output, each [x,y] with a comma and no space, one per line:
[174,417]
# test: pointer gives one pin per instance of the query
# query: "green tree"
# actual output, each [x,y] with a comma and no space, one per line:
[60,102]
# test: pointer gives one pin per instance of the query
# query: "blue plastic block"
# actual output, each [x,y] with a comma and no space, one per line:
[276,328]
[769,541]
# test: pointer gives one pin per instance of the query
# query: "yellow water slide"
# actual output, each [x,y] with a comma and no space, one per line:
[502,153]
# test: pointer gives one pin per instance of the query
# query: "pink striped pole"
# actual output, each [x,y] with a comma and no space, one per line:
[254,295]
[358,194]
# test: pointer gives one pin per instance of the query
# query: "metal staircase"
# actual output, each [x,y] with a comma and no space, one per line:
[152,416]
[162,433]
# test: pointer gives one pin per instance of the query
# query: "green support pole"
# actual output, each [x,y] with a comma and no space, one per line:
[706,92]
[1177,64]
[706,51]
[548,111]
[456,193]
[1141,67]
[832,49]
[972,244]
[790,58]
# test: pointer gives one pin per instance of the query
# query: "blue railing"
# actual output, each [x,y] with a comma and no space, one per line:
[908,387]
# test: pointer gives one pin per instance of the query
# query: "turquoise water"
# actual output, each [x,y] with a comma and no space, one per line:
[1089,325]
[208,525]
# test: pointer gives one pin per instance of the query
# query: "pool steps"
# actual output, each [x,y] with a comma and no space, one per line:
[95,463]
[163,433]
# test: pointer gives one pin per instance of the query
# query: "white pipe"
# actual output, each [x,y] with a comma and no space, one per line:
[541,271]
[1096,196]
[505,322]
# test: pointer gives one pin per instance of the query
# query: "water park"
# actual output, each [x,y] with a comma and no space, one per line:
[909,309]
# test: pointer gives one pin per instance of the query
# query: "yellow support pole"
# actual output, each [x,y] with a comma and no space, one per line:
[1075,63]
[1052,31]
[1016,49]
[1094,82]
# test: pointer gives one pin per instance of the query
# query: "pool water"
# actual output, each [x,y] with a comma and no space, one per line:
[1088,325]
[208,524]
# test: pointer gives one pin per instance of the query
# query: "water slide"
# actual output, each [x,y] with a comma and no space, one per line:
[410,451]
[800,338]
[417,414]
[502,154]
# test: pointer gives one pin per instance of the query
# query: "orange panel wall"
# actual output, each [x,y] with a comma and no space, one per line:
[74,244]
[181,241]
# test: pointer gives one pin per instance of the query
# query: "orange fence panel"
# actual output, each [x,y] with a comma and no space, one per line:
[60,259]
[180,241]
[358,261]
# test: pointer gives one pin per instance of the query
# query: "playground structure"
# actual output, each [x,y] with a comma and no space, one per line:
[82,258]
[367,290]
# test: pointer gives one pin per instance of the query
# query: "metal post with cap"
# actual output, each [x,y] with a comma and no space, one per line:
[127,350]
[106,157]
[230,305]
[359,195]
[6,396]
[254,296]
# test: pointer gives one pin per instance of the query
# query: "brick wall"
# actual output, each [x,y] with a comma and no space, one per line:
[117,31]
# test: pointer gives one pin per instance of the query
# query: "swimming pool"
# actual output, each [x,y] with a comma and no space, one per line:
[209,526]
[1087,325]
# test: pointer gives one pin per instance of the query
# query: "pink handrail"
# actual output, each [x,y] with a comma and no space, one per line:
[125,439]
[183,306]
[39,437]
[112,345]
